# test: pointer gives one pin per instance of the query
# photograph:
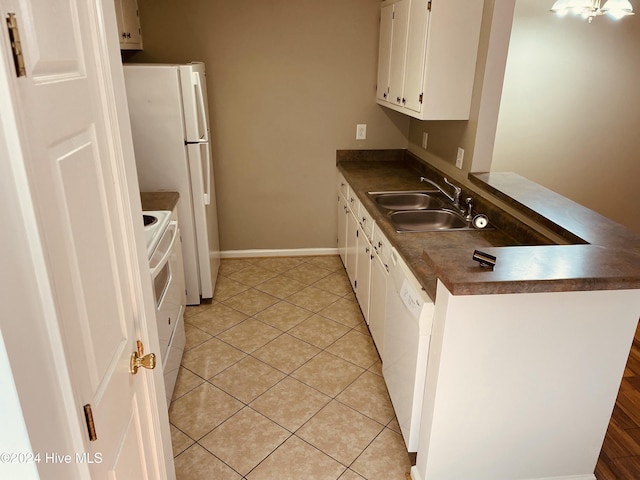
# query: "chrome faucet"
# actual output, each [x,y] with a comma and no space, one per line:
[469,202]
[455,198]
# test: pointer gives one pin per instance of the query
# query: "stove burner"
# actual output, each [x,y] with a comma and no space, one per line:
[149,220]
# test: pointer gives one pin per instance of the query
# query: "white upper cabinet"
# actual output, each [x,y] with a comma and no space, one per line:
[427,57]
[128,25]
[384,51]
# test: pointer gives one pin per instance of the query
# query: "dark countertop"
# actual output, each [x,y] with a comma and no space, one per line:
[155,201]
[604,256]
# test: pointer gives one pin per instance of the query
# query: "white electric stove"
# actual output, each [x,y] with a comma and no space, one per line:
[164,250]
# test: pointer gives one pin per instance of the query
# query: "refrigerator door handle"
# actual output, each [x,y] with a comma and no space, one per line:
[207,181]
[202,108]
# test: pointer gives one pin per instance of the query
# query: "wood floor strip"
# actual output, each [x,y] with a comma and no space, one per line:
[620,455]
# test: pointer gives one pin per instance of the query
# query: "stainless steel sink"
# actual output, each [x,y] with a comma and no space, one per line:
[427,220]
[408,200]
[420,211]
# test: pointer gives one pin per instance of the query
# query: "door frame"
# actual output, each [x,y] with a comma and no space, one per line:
[33,365]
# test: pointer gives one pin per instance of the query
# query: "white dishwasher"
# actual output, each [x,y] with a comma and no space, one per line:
[407,332]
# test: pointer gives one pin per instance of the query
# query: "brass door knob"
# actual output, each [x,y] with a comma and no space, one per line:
[138,359]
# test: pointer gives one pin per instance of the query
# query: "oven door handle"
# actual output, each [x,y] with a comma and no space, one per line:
[169,250]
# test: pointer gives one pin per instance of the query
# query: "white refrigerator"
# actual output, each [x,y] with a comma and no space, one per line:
[170,126]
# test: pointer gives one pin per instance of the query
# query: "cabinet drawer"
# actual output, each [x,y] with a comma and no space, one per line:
[365,221]
[353,204]
[381,246]
[343,187]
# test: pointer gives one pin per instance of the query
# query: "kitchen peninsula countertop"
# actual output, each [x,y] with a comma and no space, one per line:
[603,255]
[159,200]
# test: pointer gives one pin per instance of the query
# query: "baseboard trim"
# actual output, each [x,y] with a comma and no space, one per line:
[415,475]
[293,252]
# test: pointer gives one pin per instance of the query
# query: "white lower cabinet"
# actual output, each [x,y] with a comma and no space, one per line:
[394,306]
[363,272]
[352,249]
[365,253]
[342,212]
[378,302]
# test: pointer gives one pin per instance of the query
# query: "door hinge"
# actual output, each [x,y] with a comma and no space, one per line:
[91,426]
[16,47]
[420,98]
[429,5]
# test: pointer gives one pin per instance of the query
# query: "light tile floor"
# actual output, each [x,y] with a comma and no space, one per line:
[280,380]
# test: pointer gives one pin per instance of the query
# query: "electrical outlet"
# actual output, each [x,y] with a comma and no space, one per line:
[361,131]
[460,158]
[425,135]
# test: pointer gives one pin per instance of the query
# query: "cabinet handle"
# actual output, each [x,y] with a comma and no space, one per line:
[379,244]
[404,101]
[384,95]
[398,99]
[366,250]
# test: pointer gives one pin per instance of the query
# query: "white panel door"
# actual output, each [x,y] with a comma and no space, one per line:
[74,165]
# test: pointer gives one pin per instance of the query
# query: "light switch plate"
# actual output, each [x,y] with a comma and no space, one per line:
[460,157]
[361,131]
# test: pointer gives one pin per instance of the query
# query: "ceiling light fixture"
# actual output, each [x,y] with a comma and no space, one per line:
[591,8]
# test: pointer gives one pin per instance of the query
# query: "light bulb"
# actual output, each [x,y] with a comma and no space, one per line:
[618,8]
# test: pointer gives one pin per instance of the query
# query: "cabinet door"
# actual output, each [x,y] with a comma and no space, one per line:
[432,58]
[128,24]
[398,50]
[416,54]
[342,229]
[378,302]
[384,51]
[363,273]
[352,249]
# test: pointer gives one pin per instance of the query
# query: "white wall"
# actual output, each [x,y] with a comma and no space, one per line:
[570,111]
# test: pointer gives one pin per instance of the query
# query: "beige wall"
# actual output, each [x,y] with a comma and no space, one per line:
[570,113]
[288,82]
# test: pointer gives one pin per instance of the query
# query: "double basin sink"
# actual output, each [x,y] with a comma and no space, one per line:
[420,211]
